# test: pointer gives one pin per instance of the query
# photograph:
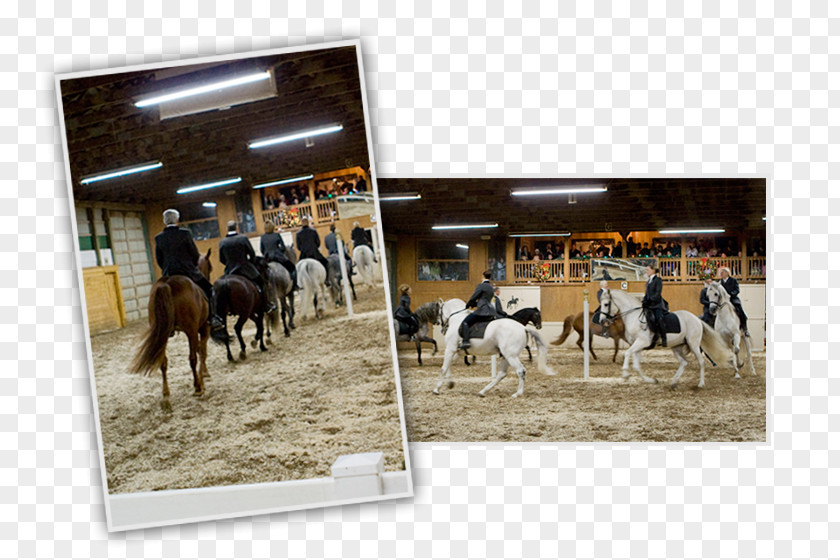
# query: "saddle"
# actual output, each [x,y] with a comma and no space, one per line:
[671,323]
[477,330]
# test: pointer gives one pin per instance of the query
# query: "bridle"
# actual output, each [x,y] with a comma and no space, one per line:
[444,323]
[609,318]
[715,306]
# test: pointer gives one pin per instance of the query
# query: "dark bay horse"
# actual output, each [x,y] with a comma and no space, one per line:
[524,316]
[176,303]
[238,296]
[427,314]
[615,331]
[280,290]
[334,276]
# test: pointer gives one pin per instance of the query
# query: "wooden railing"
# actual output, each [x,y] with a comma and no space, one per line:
[673,269]
[320,212]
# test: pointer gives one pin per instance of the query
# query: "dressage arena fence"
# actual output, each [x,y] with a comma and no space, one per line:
[355,478]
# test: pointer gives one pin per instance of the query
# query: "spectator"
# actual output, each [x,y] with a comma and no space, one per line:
[524,253]
[574,252]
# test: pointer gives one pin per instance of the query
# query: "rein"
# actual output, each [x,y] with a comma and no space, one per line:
[445,323]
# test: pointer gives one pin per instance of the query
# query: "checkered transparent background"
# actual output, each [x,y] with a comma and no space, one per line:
[586,88]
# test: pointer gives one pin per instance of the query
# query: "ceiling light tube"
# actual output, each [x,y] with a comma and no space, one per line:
[566,234]
[559,190]
[185,190]
[216,86]
[465,226]
[462,246]
[295,136]
[122,172]
[284,181]
[209,204]
[399,196]
[707,230]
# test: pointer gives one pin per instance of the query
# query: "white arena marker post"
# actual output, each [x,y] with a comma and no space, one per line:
[586,333]
[358,475]
[342,263]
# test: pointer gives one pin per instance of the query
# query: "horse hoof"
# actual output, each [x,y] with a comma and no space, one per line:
[655,381]
[436,392]
[253,344]
[480,394]
[673,386]
[198,393]
[450,384]
[701,385]
[242,356]
[165,405]
[286,334]
[263,349]
[230,358]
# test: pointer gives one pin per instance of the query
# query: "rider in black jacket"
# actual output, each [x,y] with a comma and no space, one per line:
[655,307]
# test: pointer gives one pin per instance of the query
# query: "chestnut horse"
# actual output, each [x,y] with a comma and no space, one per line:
[615,331]
[176,303]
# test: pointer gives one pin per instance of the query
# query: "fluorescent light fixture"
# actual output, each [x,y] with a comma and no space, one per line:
[209,204]
[295,136]
[462,246]
[566,234]
[185,190]
[708,230]
[216,86]
[399,196]
[764,218]
[284,181]
[559,190]
[122,171]
[466,226]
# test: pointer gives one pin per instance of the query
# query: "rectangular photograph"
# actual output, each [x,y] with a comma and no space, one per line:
[612,310]
[230,260]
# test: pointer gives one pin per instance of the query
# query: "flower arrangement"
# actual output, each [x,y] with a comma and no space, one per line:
[290,218]
[706,270]
[542,271]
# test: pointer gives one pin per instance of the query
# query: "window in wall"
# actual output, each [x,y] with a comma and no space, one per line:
[443,260]
[94,238]
[496,261]
[201,220]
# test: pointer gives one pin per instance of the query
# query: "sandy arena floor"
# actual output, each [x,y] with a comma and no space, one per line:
[284,414]
[565,407]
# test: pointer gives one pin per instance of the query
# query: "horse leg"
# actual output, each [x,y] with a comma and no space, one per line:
[352,287]
[615,352]
[227,343]
[530,357]
[520,372]
[165,404]
[198,383]
[679,352]
[501,372]
[591,351]
[445,371]
[419,358]
[736,347]
[238,328]
[748,349]
[291,299]
[260,321]
[637,346]
[204,334]
[695,349]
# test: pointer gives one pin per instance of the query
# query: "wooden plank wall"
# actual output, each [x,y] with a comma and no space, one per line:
[103,298]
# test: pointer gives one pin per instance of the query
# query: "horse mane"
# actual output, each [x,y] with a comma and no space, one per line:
[428,312]
[624,300]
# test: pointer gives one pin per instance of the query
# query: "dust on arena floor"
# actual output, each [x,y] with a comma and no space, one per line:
[566,407]
[284,414]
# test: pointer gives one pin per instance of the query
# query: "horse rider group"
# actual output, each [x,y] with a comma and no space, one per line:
[176,253]
[488,306]
[732,288]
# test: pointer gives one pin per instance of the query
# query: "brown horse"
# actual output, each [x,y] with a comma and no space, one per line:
[615,331]
[176,303]
[236,295]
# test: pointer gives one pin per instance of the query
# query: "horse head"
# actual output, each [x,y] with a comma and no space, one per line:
[536,318]
[717,297]
[606,308]
[204,264]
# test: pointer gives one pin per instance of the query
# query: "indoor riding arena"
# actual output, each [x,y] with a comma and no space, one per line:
[284,414]
[553,250]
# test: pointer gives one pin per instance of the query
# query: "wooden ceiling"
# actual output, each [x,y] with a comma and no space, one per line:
[105,131]
[628,205]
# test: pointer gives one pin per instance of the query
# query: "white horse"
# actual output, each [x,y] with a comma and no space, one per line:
[727,324]
[311,276]
[502,336]
[363,259]
[693,334]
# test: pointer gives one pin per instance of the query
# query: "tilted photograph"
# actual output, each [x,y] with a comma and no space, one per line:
[231,266]
[611,310]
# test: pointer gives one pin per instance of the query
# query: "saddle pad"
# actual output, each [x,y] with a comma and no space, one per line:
[672,323]
[477,330]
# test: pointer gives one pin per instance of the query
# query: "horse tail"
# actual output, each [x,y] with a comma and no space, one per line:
[542,352]
[221,336]
[152,349]
[567,330]
[715,346]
